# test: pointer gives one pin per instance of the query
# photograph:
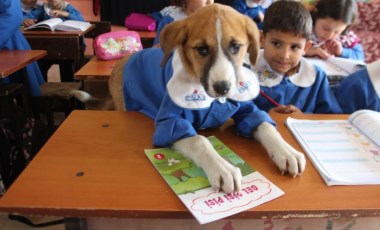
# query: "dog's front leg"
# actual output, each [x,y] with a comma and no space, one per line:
[221,174]
[284,155]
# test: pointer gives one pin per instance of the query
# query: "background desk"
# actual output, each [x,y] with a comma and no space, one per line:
[64,46]
[96,70]
[94,166]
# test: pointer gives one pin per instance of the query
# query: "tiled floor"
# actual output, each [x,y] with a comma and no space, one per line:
[7,224]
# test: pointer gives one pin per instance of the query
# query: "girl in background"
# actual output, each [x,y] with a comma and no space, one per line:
[254,9]
[332,37]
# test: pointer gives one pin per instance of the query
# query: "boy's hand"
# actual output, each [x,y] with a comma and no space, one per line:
[29,22]
[285,109]
[334,47]
[318,52]
[59,13]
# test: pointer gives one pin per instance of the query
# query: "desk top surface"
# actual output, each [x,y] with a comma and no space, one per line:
[14,60]
[94,166]
[96,69]
[57,33]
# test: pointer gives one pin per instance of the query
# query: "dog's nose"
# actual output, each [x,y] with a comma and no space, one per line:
[222,87]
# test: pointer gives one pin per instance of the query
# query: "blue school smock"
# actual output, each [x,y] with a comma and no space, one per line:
[11,38]
[308,89]
[145,90]
[360,90]
[40,13]
[252,12]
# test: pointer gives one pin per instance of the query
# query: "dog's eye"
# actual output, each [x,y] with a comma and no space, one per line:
[202,50]
[235,47]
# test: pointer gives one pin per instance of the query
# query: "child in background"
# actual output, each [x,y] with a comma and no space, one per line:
[360,90]
[29,5]
[52,9]
[332,36]
[65,11]
[254,9]
[182,9]
[284,75]
[11,38]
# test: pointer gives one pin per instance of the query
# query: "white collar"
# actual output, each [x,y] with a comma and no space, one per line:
[374,75]
[177,14]
[188,93]
[305,77]
[251,4]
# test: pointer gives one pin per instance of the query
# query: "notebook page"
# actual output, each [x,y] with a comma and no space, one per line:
[368,122]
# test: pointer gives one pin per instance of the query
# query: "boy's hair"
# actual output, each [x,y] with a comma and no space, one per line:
[342,10]
[179,3]
[288,16]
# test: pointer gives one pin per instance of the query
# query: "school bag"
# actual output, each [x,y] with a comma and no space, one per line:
[143,22]
[115,45]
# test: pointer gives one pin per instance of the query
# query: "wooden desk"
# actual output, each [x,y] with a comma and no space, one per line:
[13,60]
[94,166]
[96,70]
[147,38]
[65,46]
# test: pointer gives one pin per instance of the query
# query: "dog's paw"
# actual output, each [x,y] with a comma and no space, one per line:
[289,160]
[284,155]
[224,176]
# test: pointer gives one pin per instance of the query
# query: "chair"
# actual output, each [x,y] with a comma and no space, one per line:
[56,97]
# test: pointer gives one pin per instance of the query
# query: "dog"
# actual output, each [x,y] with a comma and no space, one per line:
[201,83]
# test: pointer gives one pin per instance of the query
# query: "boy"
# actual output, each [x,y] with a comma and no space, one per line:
[284,75]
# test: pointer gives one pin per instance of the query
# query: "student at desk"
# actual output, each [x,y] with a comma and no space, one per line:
[11,38]
[284,75]
[360,90]
[55,9]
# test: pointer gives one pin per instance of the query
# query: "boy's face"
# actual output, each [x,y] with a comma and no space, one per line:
[54,2]
[29,3]
[284,50]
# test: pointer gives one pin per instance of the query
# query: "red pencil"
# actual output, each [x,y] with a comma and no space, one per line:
[269,98]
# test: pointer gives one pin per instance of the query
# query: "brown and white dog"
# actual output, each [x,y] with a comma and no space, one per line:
[210,46]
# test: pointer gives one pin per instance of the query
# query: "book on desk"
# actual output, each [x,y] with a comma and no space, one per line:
[191,185]
[345,152]
[337,68]
[58,24]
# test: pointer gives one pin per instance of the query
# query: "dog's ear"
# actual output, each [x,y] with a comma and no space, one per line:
[254,40]
[172,35]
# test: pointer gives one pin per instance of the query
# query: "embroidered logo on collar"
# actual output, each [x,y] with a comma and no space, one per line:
[243,86]
[195,96]
[265,73]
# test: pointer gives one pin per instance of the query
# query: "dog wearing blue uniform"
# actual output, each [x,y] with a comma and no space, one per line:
[197,81]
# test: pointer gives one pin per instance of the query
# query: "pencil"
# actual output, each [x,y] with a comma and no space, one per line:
[269,98]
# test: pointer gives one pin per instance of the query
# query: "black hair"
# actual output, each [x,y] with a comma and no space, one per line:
[342,10]
[288,16]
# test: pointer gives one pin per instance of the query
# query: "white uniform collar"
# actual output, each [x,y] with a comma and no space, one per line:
[305,77]
[188,93]
[177,14]
[251,4]
[374,75]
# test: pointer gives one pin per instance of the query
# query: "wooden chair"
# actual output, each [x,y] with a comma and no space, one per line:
[56,97]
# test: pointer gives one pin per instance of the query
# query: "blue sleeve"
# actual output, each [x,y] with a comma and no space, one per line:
[10,19]
[38,14]
[74,14]
[326,101]
[240,6]
[170,125]
[164,21]
[355,53]
[249,117]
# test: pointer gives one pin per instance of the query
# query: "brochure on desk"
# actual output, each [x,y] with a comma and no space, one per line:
[190,184]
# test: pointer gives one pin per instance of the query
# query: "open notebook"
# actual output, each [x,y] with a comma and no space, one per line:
[337,66]
[345,152]
[58,24]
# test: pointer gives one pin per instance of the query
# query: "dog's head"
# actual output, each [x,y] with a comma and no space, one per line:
[212,43]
